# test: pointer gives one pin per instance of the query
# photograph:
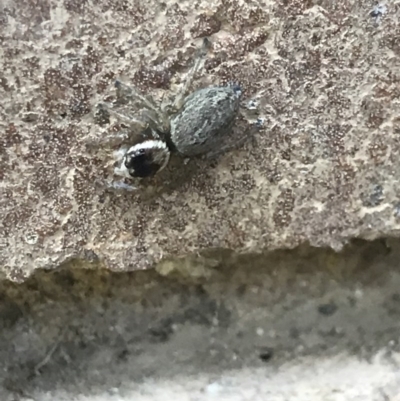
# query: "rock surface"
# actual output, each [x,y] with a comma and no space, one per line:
[324,168]
[307,324]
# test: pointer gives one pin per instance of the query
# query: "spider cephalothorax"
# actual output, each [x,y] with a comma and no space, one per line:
[194,125]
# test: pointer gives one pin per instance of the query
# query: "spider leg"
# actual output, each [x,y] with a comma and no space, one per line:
[127,119]
[131,93]
[107,140]
[152,119]
[115,185]
[120,185]
[121,136]
[202,53]
[119,171]
[248,134]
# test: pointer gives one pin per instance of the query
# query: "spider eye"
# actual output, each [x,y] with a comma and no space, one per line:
[141,163]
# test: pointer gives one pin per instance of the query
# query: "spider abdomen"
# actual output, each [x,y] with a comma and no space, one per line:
[205,120]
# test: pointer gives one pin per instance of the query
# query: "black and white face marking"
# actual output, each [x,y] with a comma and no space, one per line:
[144,159]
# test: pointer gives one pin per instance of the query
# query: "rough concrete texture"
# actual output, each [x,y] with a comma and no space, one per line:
[324,168]
[300,325]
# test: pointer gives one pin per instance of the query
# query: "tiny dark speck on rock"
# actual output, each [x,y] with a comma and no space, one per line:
[101,116]
[266,354]
[9,314]
[121,53]
[374,197]
[327,309]
[396,297]
[64,279]
[90,255]
[352,301]
[378,13]
[123,355]
[161,333]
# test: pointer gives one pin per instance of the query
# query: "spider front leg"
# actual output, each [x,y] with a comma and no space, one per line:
[153,113]
[131,121]
[119,171]
[122,136]
[121,186]
[198,64]
[117,139]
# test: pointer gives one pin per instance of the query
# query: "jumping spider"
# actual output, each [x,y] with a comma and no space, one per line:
[194,125]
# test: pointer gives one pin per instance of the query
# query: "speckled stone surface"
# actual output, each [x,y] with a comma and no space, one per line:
[324,169]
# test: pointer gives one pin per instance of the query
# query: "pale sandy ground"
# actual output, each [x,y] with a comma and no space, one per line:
[327,379]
